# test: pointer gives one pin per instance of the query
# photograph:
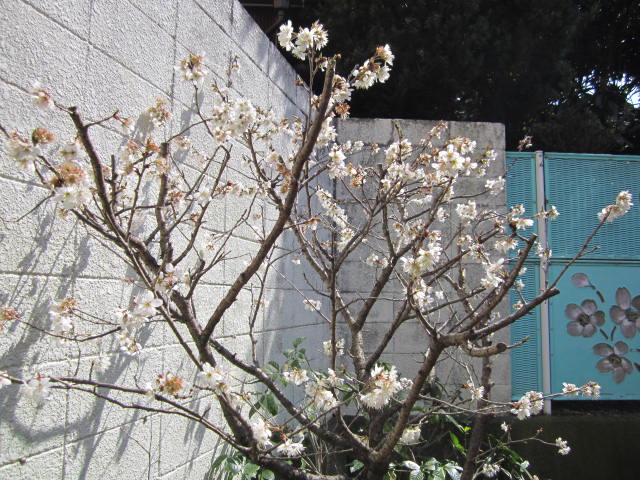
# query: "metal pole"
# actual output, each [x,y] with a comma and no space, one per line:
[541,204]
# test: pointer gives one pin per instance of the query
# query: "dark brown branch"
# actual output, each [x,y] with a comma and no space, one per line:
[383,454]
[259,375]
[285,213]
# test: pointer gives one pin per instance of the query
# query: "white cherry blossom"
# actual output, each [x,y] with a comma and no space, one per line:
[289,448]
[146,305]
[37,388]
[410,435]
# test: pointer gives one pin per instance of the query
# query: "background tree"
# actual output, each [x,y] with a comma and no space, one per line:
[595,114]
[561,70]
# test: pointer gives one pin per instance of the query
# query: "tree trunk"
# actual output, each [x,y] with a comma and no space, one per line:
[480,421]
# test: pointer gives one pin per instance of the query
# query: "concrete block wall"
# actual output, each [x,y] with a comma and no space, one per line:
[103,56]
[406,351]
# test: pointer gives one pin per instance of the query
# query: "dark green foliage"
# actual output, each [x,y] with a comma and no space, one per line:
[559,69]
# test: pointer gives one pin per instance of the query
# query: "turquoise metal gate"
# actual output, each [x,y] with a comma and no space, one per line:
[591,331]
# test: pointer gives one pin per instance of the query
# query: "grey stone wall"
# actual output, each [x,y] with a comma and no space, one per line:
[406,351]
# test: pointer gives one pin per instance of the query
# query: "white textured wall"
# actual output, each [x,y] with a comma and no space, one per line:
[104,55]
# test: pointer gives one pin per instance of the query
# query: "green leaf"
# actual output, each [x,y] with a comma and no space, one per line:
[355,466]
[439,474]
[453,470]
[416,475]
[251,470]
[217,462]
[233,465]
[298,341]
[456,443]
[455,423]
[254,409]
[271,368]
[267,475]
[411,465]
[515,456]
[388,426]
[269,404]
[431,464]
[390,475]
[293,363]
[346,396]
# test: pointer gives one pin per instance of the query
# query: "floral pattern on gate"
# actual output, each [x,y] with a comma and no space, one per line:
[587,319]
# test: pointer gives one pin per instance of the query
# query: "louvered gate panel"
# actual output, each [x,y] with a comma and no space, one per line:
[526,370]
[525,360]
[521,183]
[580,185]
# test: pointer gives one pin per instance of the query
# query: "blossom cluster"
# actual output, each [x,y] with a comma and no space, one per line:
[375,69]
[192,68]
[290,448]
[493,273]
[23,151]
[327,347]
[455,159]
[410,435]
[159,113]
[320,397]
[318,386]
[337,215]
[424,259]
[70,180]
[563,446]
[490,470]
[297,376]
[231,118]
[37,388]
[477,393]
[374,260]
[590,389]
[383,384]
[171,384]
[40,97]
[215,378]
[516,219]
[7,314]
[531,403]
[145,306]
[62,314]
[305,39]
[618,209]
[312,305]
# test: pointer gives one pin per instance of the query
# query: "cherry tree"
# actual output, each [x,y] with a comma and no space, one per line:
[150,202]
